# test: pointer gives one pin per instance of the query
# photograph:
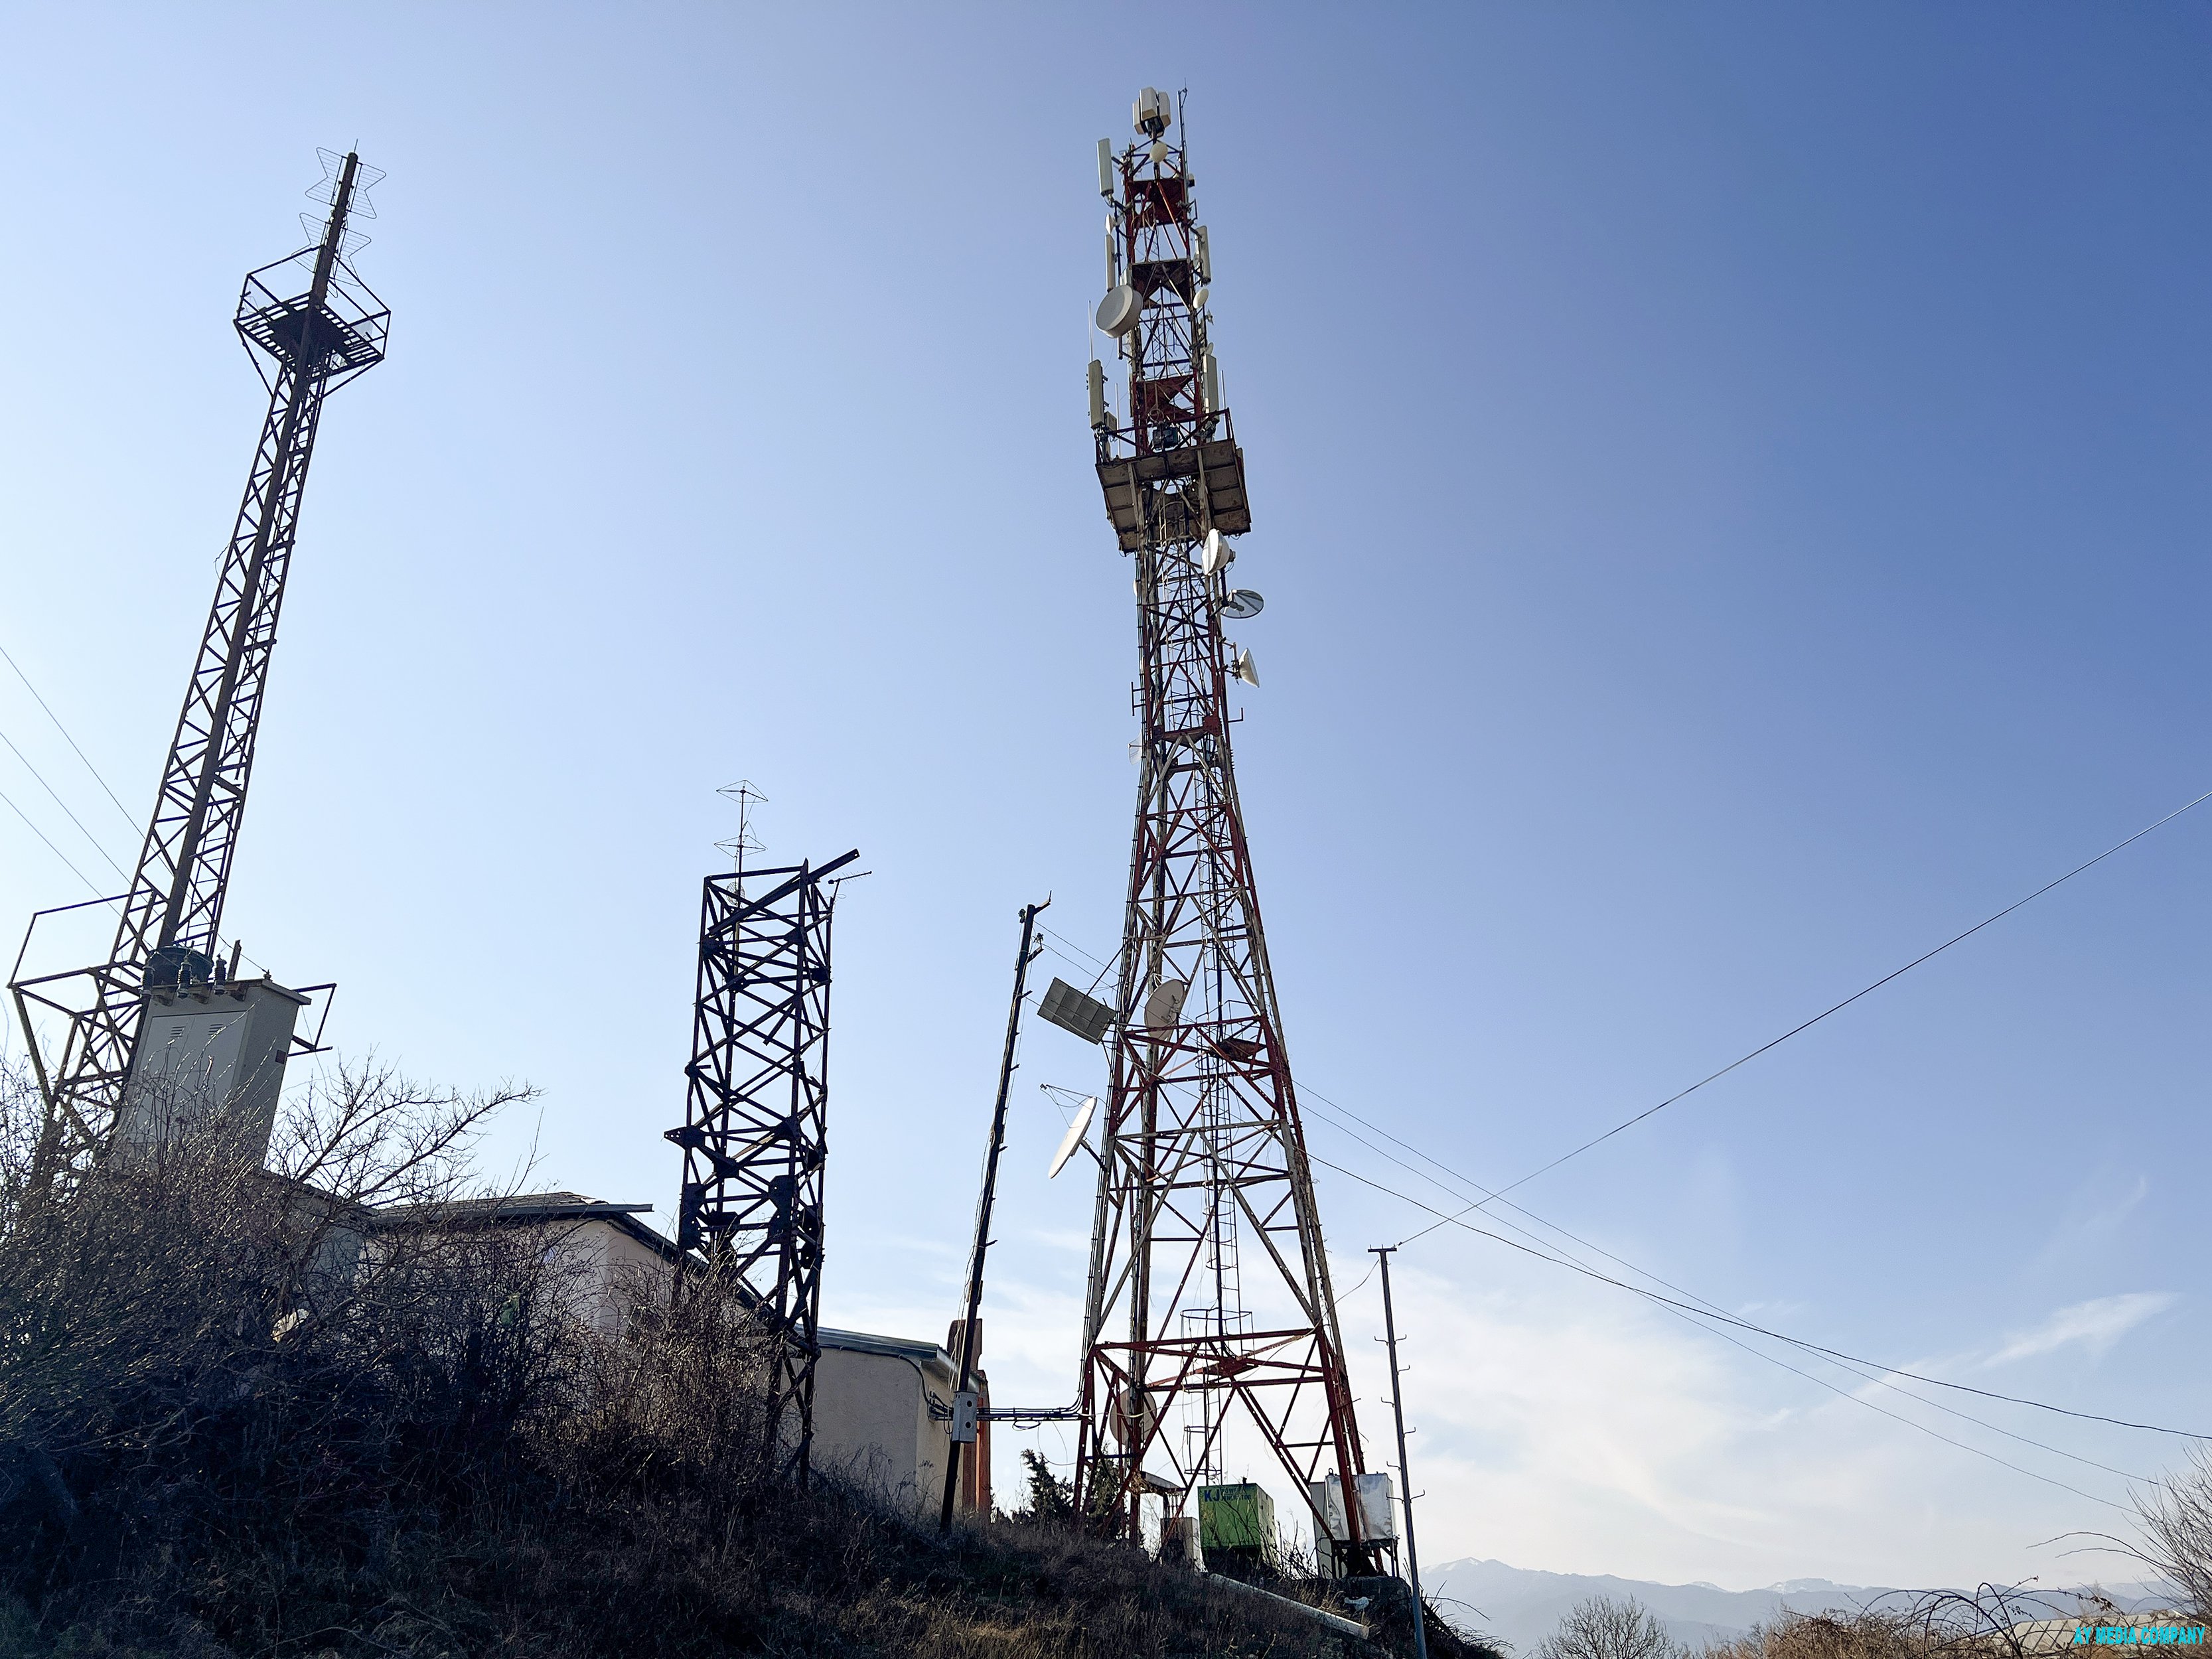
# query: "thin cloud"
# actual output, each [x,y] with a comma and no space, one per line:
[2096,1325]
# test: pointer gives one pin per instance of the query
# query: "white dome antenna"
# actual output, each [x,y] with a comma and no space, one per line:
[1120,311]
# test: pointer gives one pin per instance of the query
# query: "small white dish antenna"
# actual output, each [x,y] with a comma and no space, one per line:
[1159,153]
[1244,670]
[1165,1005]
[1242,602]
[1198,299]
[1133,1420]
[1217,554]
[1120,311]
[1073,1138]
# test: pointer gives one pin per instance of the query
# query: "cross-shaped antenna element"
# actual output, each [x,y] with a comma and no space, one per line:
[747,797]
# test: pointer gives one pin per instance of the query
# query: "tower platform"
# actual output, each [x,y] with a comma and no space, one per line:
[1123,474]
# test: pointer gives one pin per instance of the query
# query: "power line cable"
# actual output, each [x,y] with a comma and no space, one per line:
[1080,967]
[1697,1318]
[96,845]
[1865,991]
[1444,1219]
[2049,1480]
[1091,957]
[1091,960]
[51,848]
[1869,1375]
[96,777]
[63,730]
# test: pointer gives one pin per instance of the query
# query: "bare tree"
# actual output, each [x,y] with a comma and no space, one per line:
[1601,1628]
[2176,1519]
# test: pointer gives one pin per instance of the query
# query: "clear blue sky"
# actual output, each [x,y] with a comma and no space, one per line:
[1729,489]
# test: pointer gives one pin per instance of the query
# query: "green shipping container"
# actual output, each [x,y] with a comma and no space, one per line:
[1239,1517]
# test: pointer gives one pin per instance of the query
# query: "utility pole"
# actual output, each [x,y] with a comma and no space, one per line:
[971,1329]
[1405,1479]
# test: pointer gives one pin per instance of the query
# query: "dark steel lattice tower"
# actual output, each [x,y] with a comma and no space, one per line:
[756,1123]
[310,324]
[1202,1143]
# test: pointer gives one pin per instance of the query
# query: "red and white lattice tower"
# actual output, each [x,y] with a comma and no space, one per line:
[1202,1146]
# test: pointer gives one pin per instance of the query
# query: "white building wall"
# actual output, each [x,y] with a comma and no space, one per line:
[605,1269]
[873,1423]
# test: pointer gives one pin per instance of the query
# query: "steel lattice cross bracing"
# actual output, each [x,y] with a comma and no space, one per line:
[311,325]
[756,1121]
[1203,1171]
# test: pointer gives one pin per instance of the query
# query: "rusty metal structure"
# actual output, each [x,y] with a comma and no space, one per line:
[1202,1155]
[310,324]
[755,1136]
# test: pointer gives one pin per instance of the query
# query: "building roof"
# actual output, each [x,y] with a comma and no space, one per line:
[895,1348]
[546,1206]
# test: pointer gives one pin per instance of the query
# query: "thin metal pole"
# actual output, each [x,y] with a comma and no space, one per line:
[1029,913]
[1405,1480]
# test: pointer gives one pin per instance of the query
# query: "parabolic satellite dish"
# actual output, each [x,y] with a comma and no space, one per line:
[1242,602]
[1134,1419]
[1073,1138]
[1165,1004]
[1217,554]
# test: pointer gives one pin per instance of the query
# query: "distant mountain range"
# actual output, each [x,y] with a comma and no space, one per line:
[1520,1607]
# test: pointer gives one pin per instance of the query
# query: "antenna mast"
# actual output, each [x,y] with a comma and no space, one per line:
[310,324]
[1202,1138]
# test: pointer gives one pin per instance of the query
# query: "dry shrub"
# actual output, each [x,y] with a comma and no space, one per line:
[213,1379]
[344,1410]
[1988,1623]
[1862,1635]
